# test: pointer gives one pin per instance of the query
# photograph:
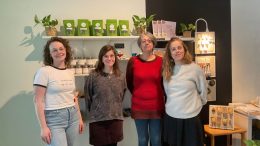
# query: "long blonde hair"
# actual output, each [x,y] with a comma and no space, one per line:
[168,61]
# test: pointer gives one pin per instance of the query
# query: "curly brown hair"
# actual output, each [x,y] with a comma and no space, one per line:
[168,61]
[47,59]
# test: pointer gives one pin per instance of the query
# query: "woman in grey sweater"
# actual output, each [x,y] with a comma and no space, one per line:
[186,90]
[104,92]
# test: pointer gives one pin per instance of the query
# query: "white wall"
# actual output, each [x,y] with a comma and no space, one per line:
[21,51]
[245,20]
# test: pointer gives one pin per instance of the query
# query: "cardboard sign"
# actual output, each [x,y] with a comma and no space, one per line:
[221,117]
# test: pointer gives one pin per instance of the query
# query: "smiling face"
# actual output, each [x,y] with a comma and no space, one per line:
[109,59]
[57,52]
[146,44]
[177,51]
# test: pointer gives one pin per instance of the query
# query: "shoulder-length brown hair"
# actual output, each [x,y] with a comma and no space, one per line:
[100,65]
[168,61]
[47,59]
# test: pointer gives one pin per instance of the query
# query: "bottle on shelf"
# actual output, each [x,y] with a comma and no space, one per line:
[78,69]
[85,69]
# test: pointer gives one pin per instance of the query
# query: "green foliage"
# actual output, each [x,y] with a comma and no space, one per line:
[142,22]
[46,21]
[252,142]
[189,27]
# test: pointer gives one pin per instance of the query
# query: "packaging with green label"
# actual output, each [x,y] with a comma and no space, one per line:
[97,27]
[111,27]
[83,27]
[69,27]
[123,27]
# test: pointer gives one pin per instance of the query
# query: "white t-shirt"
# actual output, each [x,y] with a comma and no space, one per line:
[186,91]
[59,84]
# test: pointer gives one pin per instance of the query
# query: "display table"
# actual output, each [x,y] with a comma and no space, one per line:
[219,132]
[244,115]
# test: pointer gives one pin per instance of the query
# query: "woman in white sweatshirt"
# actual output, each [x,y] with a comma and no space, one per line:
[186,90]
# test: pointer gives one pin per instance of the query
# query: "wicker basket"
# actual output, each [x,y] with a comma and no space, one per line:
[51,31]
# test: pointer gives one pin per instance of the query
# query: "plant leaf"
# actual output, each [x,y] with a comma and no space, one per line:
[36,19]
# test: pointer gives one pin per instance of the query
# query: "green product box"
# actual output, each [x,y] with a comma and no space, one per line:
[69,27]
[97,27]
[111,27]
[123,27]
[83,27]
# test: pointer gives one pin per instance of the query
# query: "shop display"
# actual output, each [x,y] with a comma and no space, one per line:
[97,27]
[221,117]
[69,27]
[123,26]
[111,27]
[83,27]
[164,29]
[207,63]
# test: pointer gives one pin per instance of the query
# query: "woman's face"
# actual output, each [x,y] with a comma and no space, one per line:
[57,51]
[109,59]
[177,51]
[146,44]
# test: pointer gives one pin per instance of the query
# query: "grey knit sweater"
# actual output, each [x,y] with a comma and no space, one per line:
[104,96]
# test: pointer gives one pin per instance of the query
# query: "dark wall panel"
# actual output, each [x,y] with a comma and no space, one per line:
[218,16]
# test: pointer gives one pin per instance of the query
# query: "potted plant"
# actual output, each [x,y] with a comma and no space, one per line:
[48,23]
[252,142]
[187,29]
[141,23]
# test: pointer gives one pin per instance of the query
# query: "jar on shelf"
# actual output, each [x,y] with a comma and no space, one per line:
[73,61]
[78,69]
[85,69]
[82,61]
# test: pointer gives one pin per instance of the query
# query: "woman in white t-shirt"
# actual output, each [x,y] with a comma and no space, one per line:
[55,101]
[186,91]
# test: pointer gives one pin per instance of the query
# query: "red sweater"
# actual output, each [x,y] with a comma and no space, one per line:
[144,81]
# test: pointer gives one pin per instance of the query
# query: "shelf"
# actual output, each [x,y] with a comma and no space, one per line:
[114,38]
[80,75]
[96,37]
[206,54]
[181,37]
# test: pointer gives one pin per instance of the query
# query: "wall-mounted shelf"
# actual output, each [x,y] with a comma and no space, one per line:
[114,38]
[80,75]
[208,54]
[96,37]
[181,37]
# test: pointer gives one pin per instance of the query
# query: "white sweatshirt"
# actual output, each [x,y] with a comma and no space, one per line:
[186,91]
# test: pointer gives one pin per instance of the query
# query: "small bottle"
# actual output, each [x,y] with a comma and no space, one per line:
[85,69]
[73,61]
[78,69]
[82,61]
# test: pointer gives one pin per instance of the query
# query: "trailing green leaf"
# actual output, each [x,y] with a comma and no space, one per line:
[45,21]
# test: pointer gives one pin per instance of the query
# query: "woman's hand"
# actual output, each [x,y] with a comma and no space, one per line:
[81,126]
[46,135]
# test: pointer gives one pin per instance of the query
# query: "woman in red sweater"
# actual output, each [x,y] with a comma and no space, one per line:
[144,81]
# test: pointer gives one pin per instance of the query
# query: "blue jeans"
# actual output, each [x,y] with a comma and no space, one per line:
[64,126]
[148,128]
